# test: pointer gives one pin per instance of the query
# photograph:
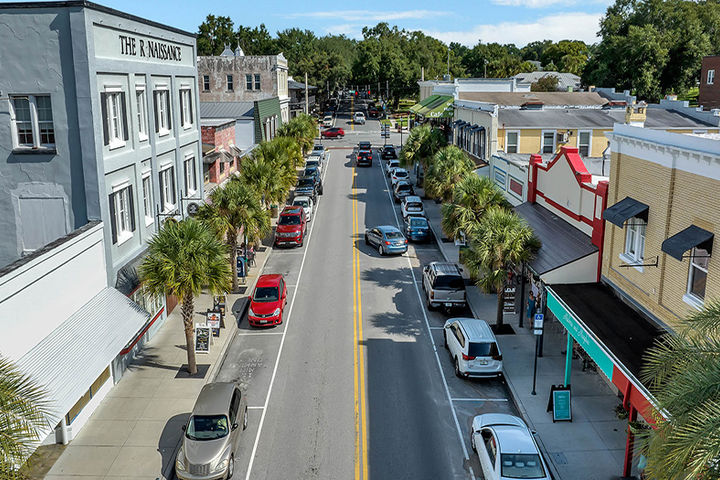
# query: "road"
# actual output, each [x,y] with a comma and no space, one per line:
[352,384]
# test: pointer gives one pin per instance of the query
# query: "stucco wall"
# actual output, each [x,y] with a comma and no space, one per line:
[481,118]
[530,140]
[219,67]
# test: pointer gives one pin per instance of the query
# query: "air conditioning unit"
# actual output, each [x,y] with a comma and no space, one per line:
[563,137]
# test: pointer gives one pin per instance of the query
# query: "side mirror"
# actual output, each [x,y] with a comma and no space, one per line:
[183,428]
[234,426]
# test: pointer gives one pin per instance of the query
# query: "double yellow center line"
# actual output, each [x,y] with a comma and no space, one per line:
[361,451]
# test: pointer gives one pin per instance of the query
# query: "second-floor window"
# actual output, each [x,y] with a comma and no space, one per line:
[206,83]
[257,81]
[711,77]
[248,81]
[147,197]
[167,189]
[32,122]
[186,111]
[140,104]
[229,83]
[635,240]
[122,214]
[190,178]
[162,111]
[511,142]
[584,143]
[548,142]
[698,273]
[115,129]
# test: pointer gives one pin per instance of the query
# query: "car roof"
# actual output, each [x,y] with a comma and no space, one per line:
[412,198]
[402,182]
[291,210]
[269,280]
[445,268]
[394,160]
[387,228]
[514,439]
[214,399]
[364,143]
[400,170]
[303,198]
[388,145]
[475,329]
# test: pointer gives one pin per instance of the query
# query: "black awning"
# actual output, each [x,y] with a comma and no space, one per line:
[626,208]
[456,123]
[693,236]
[476,128]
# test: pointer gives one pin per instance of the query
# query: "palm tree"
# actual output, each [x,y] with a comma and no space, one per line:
[683,372]
[302,128]
[422,144]
[448,167]
[183,258]
[232,208]
[25,412]
[471,197]
[270,170]
[502,240]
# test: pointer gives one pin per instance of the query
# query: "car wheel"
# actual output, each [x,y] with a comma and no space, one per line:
[430,305]
[445,340]
[367,242]
[231,467]
[302,241]
[245,419]
[381,250]
[457,369]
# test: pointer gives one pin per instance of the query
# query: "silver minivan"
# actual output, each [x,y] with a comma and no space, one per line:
[212,433]
[473,348]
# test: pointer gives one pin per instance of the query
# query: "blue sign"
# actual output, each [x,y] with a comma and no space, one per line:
[562,410]
[240,266]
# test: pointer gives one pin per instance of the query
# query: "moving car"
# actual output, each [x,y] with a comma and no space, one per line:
[327,121]
[392,164]
[291,227]
[473,348]
[364,146]
[398,174]
[306,203]
[443,285]
[412,205]
[268,301]
[506,448]
[373,112]
[212,433]
[417,229]
[387,239]
[402,189]
[310,186]
[333,132]
[359,118]
[388,152]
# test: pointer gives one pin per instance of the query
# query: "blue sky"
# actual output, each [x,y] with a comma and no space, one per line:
[464,21]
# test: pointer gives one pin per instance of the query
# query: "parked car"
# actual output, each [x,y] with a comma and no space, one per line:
[291,227]
[319,150]
[212,433]
[402,189]
[387,239]
[473,348]
[443,285]
[507,448]
[268,301]
[359,118]
[364,146]
[364,158]
[398,174]
[333,132]
[306,203]
[310,186]
[327,121]
[311,172]
[412,206]
[392,164]
[388,152]
[417,229]
[314,162]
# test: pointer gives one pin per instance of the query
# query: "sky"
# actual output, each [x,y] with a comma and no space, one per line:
[463,21]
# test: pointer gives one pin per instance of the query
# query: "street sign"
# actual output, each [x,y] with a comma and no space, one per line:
[539,320]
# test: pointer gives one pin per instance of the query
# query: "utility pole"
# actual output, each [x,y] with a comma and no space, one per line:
[306,95]
[448,66]
[387,89]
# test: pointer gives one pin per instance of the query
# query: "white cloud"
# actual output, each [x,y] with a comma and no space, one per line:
[350,30]
[568,26]
[533,3]
[370,16]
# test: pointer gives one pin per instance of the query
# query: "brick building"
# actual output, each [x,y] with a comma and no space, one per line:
[710,86]
[221,157]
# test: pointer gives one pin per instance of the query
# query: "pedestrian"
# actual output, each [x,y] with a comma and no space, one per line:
[642,465]
[531,308]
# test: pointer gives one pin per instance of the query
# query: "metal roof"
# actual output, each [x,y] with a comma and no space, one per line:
[561,242]
[72,357]
[555,118]
[517,99]
[215,122]
[234,110]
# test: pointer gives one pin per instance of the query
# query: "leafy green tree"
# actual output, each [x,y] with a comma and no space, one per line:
[449,166]
[471,198]
[548,83]
[502,240]
[256,40]
[534,50]
[183,259]
[25,411]
[569,55]
[422,145]
[214,33]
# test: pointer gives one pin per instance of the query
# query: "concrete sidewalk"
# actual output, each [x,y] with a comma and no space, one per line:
[136,429]
[592,446]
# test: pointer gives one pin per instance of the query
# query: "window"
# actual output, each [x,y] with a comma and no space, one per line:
[206,83]
[698,273]
[140,104]
[186,111]
[584,139]
[511,142]
[710,77]
[162,112]
[548,142]
[499,177]
[248,81]
[115,131]
[490,445]
[230,83]
[32,122]
[147,198]
[167,188]
[122,214]
[190,178]
[635,240]
[257,81]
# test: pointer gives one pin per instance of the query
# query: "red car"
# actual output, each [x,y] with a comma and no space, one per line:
[268,301]
[291,227]
[333,132]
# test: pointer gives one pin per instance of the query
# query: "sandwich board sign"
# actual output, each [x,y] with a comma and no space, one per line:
[202,339]
[560,403]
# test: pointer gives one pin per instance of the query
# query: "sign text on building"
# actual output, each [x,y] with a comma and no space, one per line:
[135,47]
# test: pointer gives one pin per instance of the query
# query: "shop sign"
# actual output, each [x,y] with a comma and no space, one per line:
[125,45]
[202,339]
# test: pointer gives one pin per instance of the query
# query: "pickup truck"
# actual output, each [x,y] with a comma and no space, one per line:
[444,286]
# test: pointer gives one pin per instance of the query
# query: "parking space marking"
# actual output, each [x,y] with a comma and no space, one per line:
[247,334]
[479,399]
[256,408]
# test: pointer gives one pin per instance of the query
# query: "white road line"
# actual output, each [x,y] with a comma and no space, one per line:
[277,359]
[432,342]
[436,328]
[259,333]
[256,408]
[479,399]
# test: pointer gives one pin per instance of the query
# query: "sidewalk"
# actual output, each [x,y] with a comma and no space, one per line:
[592,446]
[136,429]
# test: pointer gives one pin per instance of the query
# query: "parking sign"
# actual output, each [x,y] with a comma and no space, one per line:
[539,320]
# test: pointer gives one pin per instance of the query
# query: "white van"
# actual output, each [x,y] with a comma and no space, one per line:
[359,118]
[328,121]
[473,348]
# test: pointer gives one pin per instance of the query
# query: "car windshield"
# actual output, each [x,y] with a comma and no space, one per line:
[305,182]
[418,222]
[403,187]
[393,235]
[289,220]
[401,173]
[301,203]
[266,294]
[309,172]
[312,163]
[414,206]
[207,427]
[521,465]
[318,148]
[394,163]
[484,349]
[449,282]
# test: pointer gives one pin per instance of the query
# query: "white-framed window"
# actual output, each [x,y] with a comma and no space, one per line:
[710,77]
[512,141]
[147,198]
[548,141]
[206,83]
[161,98]
[115,127]
[697,277]
[190,176]
[186,110]
[32,122]
[167,188]
[634,242]
[229,79]
[584,141]
[248,81]
[257,81]
[122,213]
[141,106]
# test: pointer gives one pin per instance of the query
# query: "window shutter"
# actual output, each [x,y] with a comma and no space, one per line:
[131,200]
[194,173]
[172,183]
[124,116]
[182,109]
[163,200]
[169,112]
[157,112]
[190,102]
[105,119]
[113,220]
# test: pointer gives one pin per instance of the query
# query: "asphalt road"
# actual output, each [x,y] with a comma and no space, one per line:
[352,384]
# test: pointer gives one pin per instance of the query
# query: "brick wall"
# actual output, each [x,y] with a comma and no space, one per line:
[208,135]
[710,93]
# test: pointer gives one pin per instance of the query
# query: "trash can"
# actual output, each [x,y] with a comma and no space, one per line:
[274,211]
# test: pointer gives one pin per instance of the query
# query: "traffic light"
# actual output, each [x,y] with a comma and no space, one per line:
[356,93]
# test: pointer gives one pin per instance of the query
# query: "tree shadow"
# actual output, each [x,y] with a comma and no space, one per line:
[169,443]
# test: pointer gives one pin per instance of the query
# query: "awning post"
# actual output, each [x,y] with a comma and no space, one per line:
[629,443]
[568,358]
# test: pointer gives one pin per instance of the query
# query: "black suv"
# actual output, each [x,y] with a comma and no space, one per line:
[310,186]
[388,152]
[364,158]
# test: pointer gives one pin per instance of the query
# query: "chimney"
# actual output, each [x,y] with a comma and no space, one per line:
[422,74]
[635,115]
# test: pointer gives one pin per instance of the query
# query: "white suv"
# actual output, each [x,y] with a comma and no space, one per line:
[473,348]
[359,118]
[412,205]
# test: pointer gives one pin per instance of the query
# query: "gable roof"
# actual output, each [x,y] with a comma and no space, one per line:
[234,110]
[517,99]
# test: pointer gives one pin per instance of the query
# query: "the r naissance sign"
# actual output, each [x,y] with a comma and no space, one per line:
[121,45]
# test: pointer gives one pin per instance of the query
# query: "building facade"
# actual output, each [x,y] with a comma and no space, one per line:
[221,158]
[296,91]
[709,97]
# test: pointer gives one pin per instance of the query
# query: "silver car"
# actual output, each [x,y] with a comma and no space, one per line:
[213,433]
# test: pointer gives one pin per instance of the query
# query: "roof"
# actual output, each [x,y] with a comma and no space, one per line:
[292,209]
[214,399]
[561,242]
[270,279]
[387,228]
[68,360]
[445,268]
[565,80]
[293,85]
[475,328]
[226,110]
[514,439]
[517,99]
[215,122]
[222,155]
